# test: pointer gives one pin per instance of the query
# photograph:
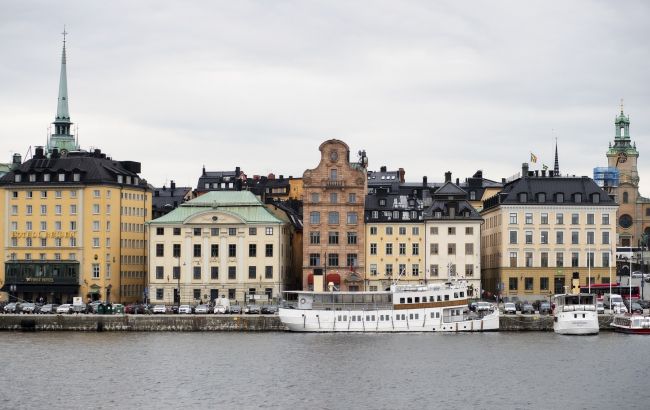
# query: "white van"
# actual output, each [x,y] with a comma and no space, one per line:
[614,302]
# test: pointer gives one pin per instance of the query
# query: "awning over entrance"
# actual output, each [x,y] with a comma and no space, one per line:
[335,278]
[94,289]
[353,278]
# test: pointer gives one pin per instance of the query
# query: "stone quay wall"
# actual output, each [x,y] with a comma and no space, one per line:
[214,323]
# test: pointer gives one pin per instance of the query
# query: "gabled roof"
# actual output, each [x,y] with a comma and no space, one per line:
[450,189]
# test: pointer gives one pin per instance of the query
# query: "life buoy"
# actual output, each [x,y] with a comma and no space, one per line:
[303,301]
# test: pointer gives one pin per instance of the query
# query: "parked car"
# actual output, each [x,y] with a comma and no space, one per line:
[174,309]
[633,307]
[527,308]
[12,307]
[252,310]
[644,303]
[185,309]
[81,308]
[472,306]
[65,308]
[600,308]
[611,299]
[159,309]
[544,308]
[28,308]
[220,309]
[235,310]
[509,308]
[201,309]
[483,306]
[269,310]
[638,274]
[135,309]
[48,308]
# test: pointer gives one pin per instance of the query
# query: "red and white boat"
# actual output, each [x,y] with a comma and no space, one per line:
[633,324]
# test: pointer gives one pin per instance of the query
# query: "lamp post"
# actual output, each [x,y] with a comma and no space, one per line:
[178,290]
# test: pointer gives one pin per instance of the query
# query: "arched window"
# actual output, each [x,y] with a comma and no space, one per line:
[625,197]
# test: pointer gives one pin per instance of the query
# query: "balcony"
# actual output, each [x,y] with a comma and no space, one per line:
[334,183]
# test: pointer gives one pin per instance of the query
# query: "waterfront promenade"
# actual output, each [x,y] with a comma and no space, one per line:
[214,323]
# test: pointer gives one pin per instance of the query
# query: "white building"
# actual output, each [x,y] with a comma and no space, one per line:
[221,243]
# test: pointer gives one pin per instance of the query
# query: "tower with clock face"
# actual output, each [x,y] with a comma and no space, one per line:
[623,155]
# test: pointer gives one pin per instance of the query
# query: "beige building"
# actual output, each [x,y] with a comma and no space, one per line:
[221,243]
[542,232]
[333,233]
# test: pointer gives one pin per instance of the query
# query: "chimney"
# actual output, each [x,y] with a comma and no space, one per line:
[55,153]
[543,173]
[281,176]
[271,176]
[457,181]
[401,175]
[424,181]
[524,169]
[536,173]
[448,176]
[382,168]
[503,180]
[16,161]
[38,153]
[550,173]
[237,171]
[203,170]
[173,185]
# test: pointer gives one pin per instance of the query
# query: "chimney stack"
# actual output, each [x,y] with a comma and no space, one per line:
[448,176]
[424,181]
[524,169]
[382,168]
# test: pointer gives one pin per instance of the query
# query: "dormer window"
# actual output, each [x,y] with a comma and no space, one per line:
[32,177]
[559,198]
[472,195]
[120,179]
[577,198]
[18,178]
[135,181]
[541,197]
[128,180]
[46,177]
[595,198]
[523,197]
[438,214]
[382,202]
[76,177]
[207,185]
[62,177]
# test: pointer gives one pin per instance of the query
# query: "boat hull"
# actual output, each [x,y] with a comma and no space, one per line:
[631,331]
[417,320]
[565,323]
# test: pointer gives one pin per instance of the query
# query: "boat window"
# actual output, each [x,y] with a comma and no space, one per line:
[347,298]
[417,299]
[455,295]
[337,298]
[345,318]
[390,298]
[387,317]
[367,318]
[409,300]
[462,294]
[438,315]
[411,316]
[432,315]
[373,318]
[381,317]
[404,317]
[354,318]
[431,298]
[367,298]
[446,297]
[453,312]
[575,315]
[401,300]
[358,298]
[439,298]
[318,298]
[417,315]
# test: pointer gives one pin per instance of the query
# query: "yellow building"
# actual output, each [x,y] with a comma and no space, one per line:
[73,221]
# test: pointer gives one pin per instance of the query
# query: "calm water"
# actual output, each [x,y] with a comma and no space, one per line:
[308,371]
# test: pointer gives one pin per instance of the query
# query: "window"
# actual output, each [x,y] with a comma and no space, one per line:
[389,230]
[577,198]
[590,219]
[541,197]
[433,270]
[197,294]
[314,217]
[559,198]
[333,259]
[389,249]
[433,249]
[415,230]
[333,218]
[252,231]
[269,250]
[333,238]
[196,231]
[543,283]
[513,237]
[252,272]
[334,197]
[513,218]
[352,217]
[575,219]
[415,269]
[232,250]
[605,238]
[544,219]
[197,250]
[605,218]
[625,197]
[402,249]
[352,238]
[268,272]
[252,250]
[315,197]
[373,269]
[160,272]
[159,293]
[352,197]
[314,259]
[160,249]
[559,237]
[160,231]
[590,237]
[513,259]
[214,250]
[314,238]
[559,219]
[269,230]
[401,269]
[529,219]
[529,237]
[373,248]
[590,259]
[176,250]
[469,269]
[512,283]
[451,231]
[451,249]
[469,249]
[57,209]
[232,272]
[575,237]
[177,231]
[373,230]
[232,231]
[14,209]
[529,259]
[575,258]
[415,249]
[469,230]
[559,260]
[95,209]
[401,230]
[543,237]
[544,259]
[214,272]
[605,259]
[528,284]
[213,231]
[95,226]
[433,230]
[43,209]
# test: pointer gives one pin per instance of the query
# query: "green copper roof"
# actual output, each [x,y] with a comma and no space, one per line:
[242,204]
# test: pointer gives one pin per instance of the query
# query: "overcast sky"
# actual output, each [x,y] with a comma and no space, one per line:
[427,86]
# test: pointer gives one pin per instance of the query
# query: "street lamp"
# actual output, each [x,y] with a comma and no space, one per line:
[178,290]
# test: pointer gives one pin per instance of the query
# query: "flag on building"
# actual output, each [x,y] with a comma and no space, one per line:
[533,158]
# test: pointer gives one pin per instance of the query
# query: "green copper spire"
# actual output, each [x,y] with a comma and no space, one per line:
[622,140]
[62,139]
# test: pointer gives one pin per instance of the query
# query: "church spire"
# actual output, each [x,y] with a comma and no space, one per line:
[62,138]
[556,167]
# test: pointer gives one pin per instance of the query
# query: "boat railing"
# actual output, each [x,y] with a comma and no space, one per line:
[351,306]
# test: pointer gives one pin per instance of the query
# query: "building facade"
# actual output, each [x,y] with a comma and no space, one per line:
[543,233]
[73,221]
[333,208]
[221,243]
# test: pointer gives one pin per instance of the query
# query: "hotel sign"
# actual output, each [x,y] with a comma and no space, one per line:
[39,280]
[44,234]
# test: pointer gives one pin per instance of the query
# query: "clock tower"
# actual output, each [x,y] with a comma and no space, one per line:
[623,156]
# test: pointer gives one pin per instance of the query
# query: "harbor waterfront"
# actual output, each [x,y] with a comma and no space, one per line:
[322,371]
[212,323]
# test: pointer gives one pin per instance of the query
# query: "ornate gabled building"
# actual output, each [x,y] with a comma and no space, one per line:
[333,208]
[633,219]
[73,221]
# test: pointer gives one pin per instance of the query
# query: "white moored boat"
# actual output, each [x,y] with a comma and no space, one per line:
[404,308]
[575,314]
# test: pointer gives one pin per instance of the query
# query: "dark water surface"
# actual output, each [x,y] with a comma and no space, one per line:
[323,371]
